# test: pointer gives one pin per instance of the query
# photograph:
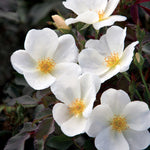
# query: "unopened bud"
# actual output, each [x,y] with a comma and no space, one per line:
[138,60]
[137,56]
[60,22]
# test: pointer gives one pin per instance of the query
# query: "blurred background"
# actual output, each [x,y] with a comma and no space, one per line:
[17,17]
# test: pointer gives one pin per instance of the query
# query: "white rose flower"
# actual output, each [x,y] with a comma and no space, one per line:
[118,123]
[78,96]
[106,57]
[46,58]
[96,12]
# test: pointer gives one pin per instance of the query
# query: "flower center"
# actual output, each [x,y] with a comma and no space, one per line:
[46,65]
[77,107]
[119,123]
[112,60]
[101,15]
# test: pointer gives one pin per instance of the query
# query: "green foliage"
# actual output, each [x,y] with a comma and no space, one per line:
[42,113]
[64,142]
[138,60]
[45,128]
[20,103]
[140,33]
[39,144]
[25,101]
[39,11]
[17,141]
[89,145]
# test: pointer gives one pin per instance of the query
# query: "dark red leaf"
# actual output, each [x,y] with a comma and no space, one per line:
[145,9]
[17,142]
[141,1]
[45,128]
[135,14]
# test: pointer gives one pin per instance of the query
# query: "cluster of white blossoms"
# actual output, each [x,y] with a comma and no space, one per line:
[46,57]
[118,123]
[75,79]
[95,12]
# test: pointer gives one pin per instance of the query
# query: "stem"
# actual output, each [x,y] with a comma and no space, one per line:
[76,144]
[144,82]
[136,91]
[126,76]
[96,34]
[138,94]
[44,117]
[76,40]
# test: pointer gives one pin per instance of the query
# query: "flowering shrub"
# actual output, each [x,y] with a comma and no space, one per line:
[69,69]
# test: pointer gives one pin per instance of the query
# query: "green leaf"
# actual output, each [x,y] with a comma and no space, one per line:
[48,100]
[89,145]
[61,142]
[22,10]
[44,128]
[28,127]
[39,11]
[41,93]
[46,97]
[79,25]
[85,26]
[140,33]
[1,108]
[146,48]
[19,80]
[25,101]
[9,15]
[4,132]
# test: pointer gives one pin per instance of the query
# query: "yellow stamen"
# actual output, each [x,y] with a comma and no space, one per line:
[46,65]
[77,107]
[112,60]
[101,15]
[119,123]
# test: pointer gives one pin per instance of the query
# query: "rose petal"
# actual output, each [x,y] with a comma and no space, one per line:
[66,50]
[99,120]
[108,21]
[23,62]
[88,17]
[110,140]
[38,80]
[77,6]
[91,61]
[90,85]
[96,5]
[138,115]
[116,99]
[115,37]
[61,113]
[100,45]
[138,139]
[41,44]
[127,57]
[74,126]
[67,93]
[64,69]
[111,6]
[110,73]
